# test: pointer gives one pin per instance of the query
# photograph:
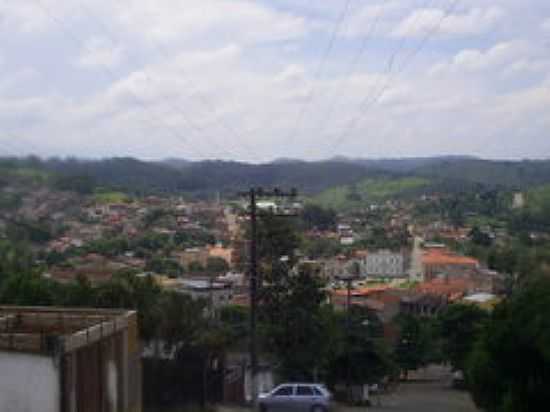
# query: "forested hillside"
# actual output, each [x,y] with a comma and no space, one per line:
[332,178]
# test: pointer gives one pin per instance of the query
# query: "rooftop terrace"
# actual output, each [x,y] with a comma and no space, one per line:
[53,330]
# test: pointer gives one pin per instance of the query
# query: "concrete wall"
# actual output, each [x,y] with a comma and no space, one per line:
[28,383]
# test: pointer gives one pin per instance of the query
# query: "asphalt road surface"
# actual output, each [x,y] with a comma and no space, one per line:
[427,391]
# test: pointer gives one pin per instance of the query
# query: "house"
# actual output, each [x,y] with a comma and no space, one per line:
[59,359]
[347,240]
[441,261]
[217,294]
[451,288]
[423,304]
[187,256]
[384,263]
[221,252]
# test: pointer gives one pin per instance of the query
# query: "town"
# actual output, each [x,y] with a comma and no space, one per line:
[274,206]
[392,277]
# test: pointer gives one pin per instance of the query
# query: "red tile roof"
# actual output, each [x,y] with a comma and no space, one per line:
[452,288]
[441,257]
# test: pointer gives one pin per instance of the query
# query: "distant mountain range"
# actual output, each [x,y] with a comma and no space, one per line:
[207,177]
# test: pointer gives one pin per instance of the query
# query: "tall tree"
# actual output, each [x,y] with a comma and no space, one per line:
[294,321]
[509,369]
[362,356]
[413,348]
[460,327]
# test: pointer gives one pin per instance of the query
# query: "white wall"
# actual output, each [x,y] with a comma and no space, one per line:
[28,383]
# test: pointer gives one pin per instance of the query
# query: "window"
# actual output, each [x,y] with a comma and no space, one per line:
[283,391]
[317,392]
[304,391]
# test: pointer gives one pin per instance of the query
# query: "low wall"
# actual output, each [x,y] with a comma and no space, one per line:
[28,383]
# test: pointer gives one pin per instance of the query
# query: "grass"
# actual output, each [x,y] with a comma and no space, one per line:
[111,197]
[538,200]
[27,174]
[369,190]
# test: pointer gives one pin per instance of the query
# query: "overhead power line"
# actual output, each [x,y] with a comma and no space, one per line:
[302,112]
[393,56]
[109,73]
[369,101]
[209,106]
[351,71]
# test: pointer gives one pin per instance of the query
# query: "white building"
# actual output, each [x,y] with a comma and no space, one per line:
[384,263]
[217,293]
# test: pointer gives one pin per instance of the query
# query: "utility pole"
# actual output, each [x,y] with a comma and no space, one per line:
[253,285]
[348,326]
[253,194]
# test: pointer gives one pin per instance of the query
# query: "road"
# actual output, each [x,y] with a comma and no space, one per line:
[427,391]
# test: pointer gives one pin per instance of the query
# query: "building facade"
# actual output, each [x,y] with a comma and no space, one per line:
[69,360]
[384,263]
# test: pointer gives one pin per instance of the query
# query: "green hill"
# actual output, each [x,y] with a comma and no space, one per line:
[369,190]
[338,183]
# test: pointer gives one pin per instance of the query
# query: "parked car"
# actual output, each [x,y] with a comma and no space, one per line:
[296,397]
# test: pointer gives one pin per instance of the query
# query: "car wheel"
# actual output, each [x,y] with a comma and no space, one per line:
[318,408]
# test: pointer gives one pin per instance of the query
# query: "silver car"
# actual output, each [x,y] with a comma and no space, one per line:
[296,397]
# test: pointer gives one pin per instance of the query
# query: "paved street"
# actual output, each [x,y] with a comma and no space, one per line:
[428,391]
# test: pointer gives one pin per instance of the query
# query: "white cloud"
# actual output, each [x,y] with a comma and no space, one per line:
[545,26]
[423,21]
[209,78]
[372,19]
[99,52]
[511,56]
[240,20]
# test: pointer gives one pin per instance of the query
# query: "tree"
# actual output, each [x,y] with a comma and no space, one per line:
[509,368]
[81,184]
[277,237]
[317,217]
[164,266]
[460,326]
[322,247]
[182,321]
[27,289]
[413,348]
[293,321]
[479,237]
[195,266]
[362,356]
[235,319]
[216,265]
[15,258]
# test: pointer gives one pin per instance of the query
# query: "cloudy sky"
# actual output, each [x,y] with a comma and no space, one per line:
[263,79]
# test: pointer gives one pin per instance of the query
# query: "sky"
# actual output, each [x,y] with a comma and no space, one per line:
[259,80]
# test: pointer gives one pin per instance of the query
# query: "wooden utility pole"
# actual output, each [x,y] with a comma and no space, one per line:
[253,285]
[253,194]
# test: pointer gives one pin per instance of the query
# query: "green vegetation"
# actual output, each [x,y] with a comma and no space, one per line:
[368,190]
[460,326]
[509,368]
[111,197]
[416,345]
[11,171]
[316,217]
[536,214]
